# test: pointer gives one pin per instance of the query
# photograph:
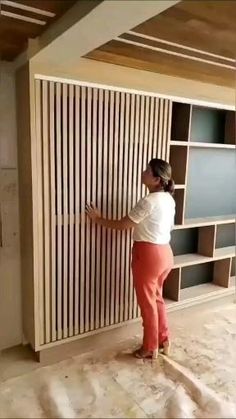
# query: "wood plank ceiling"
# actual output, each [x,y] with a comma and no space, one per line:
[193,39]
[24,19]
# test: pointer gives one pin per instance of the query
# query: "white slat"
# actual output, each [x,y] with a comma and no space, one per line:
[65,206]
[46,202]
[38,124]
[52,206]
[59,210]
[71,209]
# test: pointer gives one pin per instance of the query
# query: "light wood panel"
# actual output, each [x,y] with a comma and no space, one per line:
[184,41]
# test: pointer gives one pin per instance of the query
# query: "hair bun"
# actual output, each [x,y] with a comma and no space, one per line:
[170,187]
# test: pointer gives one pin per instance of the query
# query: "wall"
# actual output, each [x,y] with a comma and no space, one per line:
[10,286]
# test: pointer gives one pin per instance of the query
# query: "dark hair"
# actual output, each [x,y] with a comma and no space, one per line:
[162,169]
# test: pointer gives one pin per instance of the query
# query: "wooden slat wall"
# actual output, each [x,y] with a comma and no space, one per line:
[92,147]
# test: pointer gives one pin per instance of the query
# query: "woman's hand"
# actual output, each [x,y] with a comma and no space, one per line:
[93,212]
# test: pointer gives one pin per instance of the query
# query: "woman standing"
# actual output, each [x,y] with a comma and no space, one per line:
[152,259]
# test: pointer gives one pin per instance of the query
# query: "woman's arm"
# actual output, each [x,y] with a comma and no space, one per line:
[122,224]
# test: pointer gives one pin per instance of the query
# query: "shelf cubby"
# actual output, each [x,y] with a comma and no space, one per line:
[209,190]
[212,126]
[208,279]
[225,235]
[196,274]
[181,116]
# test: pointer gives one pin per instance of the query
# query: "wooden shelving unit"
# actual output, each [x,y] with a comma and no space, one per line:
[204,247]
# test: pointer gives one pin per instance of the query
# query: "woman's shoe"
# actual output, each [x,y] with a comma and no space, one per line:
[143,354]
[165,347]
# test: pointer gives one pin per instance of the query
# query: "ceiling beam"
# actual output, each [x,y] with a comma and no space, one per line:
[105,22]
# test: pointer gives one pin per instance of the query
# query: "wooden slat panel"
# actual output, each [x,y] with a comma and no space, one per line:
[59,210]
[52,206]
[38,112]
[92,146]
[71,209]
[77,208]
[46,205]
[65,207]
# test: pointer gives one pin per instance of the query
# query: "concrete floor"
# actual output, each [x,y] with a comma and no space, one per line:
[198,380]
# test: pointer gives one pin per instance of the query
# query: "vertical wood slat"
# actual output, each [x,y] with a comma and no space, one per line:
[135,196]
[93,199]
[59,211]
[169,132]
[65,206]
[151,130]
[46,206]
[104,140]
[38,112]
[92,146]
[82,209]
[52,207]
[120,235]
[98,198]
[71,209]
[110,243]
[160,126]
[77,209]
[127,146]
[156,129]
[115,277]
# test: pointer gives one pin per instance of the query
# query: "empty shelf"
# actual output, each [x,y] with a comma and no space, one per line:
[203,291]
[205,221]
[224,252]
[203,144]
[190,259]
[211,145]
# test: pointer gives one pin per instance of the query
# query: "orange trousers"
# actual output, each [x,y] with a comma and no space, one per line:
[151,264]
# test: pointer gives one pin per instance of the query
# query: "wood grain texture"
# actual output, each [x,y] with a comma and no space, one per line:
[192,24]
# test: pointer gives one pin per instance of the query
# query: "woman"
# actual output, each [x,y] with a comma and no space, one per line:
[152,259]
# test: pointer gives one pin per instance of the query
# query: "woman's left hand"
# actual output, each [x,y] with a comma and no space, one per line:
[92,212]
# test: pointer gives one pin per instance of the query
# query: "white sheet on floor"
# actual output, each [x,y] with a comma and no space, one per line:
[198,381]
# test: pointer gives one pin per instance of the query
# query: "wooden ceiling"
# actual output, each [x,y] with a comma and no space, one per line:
[193,39]
[24,19]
